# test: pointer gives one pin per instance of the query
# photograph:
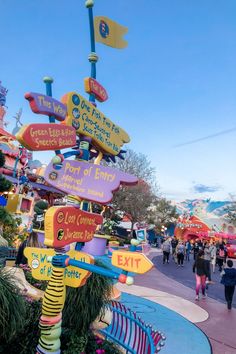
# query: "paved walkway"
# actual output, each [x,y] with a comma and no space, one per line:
[220,326]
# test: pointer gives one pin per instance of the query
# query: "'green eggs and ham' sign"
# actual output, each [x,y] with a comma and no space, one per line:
[48,136]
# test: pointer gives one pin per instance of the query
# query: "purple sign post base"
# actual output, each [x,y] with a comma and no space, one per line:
[96,247]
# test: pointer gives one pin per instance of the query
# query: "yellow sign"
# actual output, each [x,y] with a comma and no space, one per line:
[131,261]
[89,121]
[42,269]
[109,32]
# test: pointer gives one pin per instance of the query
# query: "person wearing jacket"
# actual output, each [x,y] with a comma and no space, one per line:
[200,269]
[229,281]
[31,241]
[166,248]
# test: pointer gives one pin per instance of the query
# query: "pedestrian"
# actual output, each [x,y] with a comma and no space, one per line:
[200,245]
[195,250]
[166,248]
[229,282]
[201,273]
[180,251]
[174,243]
[31,241]
[207,257]
[220,255]
[213,256]
[188,249]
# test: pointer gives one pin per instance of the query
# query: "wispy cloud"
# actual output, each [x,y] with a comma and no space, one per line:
[202,188]
[210,136]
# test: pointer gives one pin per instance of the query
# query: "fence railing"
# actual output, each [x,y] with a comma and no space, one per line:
[131,333]
[7,253]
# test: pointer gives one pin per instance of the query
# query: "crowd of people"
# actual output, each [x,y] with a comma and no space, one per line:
[206,257]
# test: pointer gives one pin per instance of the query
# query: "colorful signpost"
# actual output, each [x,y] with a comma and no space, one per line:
[47,136]
[87,181]
[92,86]
[67,224]
[89,121]
[131,261]
[47,105]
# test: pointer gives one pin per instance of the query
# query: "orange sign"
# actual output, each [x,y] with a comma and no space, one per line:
[93,87]
[67,224]
[131,261]
[48,136]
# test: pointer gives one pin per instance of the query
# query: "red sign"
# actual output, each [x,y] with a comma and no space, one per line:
[93,87]
[64,225]
[48,136]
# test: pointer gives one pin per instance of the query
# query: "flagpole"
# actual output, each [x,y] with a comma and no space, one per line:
[93,58]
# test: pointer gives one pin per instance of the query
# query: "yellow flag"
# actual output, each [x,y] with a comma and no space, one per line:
[109,32]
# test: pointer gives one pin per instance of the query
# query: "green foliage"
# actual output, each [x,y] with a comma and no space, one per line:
[72,342]
[5,185]
[9,225]
[12,308]
[95,343]
[162,213]
[25,341]
[2,159]
[88,344]
[40,207]
[84,304]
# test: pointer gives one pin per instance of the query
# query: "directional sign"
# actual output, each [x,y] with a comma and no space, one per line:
[42,269]
[92,86]
[89,121]
[46,105]
[131,261]
[86,180]
[48,136]
[67,224]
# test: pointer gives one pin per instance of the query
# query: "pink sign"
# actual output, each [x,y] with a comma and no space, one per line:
[92,86]
[46,105]
[87,181]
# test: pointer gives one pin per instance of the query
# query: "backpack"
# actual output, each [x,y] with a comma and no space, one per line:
[221,253]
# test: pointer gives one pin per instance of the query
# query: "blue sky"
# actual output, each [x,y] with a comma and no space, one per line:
[174,83]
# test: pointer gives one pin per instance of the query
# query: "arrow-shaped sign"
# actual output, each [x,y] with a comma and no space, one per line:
[131,261]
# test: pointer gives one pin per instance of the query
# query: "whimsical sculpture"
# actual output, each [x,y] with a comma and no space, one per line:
[88,181]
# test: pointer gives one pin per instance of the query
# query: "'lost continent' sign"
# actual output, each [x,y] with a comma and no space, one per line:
[89,121]
[41,137]
[87,181]
[46,105]
[67,224]
[42,268]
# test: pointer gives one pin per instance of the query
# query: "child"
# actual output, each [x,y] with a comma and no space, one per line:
[229,281]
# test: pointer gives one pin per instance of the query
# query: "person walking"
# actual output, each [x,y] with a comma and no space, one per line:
[195,250]
[31,241]
[213,256]
[207,257]
[174,243]
[229,282]
[166,248]
[180,251]
[188,248]
[221,254]
[201,273]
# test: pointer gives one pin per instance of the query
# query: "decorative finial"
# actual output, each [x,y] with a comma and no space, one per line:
[48,79]
[89,3]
